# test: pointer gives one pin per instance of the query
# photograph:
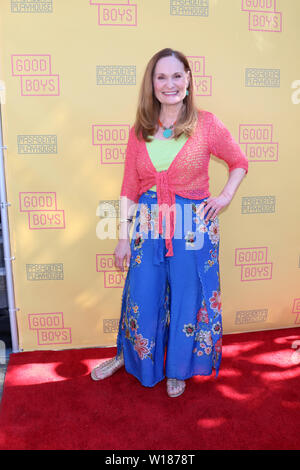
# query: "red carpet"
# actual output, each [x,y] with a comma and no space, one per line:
[50,402]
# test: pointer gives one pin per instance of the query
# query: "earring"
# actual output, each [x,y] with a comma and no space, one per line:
[187,92]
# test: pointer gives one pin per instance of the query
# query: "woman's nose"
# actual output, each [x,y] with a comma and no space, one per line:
[170,82]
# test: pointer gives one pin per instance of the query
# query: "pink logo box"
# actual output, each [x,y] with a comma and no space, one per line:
[116,13]
[112,140]
[50,328]
[112,277]
[35,73]
[253,262]
[257,142]
[263,15]
[42,210]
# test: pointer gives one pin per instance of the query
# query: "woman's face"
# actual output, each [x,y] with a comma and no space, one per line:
[170,80]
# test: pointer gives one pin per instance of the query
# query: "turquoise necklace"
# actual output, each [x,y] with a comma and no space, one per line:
[167,133]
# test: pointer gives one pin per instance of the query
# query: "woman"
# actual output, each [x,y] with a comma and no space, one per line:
[171,319]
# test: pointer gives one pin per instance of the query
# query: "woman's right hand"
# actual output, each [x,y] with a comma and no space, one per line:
[122,252]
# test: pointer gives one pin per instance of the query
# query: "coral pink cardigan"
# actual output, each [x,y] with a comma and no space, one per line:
[187,175]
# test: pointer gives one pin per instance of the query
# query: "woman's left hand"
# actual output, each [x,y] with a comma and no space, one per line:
[214,205]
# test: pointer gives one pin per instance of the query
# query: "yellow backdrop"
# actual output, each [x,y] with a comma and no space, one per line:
[71,71]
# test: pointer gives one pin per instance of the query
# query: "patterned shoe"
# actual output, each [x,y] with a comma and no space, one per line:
[175,387]
[107,368]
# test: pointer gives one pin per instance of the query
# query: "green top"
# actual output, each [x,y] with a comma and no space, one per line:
[163,152]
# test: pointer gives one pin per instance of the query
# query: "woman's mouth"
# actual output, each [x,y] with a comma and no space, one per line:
[170,93]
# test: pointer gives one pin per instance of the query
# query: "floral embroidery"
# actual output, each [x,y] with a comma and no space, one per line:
[214,231]
[202,228]
[202,315]
[204,336]
[145,218]
[217,352]
[217,328]
[130,325]
[137,246]
[189,329]
[138,242]
[198,211]
[215,301]
[204,340]
[190,238]
[137,259]
[218,345]
[148,220]
[214,258]
[203,331]
[141,346]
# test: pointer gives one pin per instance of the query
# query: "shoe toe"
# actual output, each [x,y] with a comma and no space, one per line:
[175,387]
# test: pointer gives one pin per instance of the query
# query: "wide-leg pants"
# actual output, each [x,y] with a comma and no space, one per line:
[171,315]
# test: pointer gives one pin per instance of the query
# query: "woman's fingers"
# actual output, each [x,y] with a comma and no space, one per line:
[209,210]
[119,260]
[214,205]
[212,208]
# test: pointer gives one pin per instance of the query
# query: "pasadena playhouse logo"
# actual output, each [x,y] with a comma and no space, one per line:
[37,144]
[262,15]
[254,263]
[31,6]
[112,141]
[110,325]
[256,140]
[189,7]
[36,75]
[115,75]
[258,204]
[50,328]
[269,78]
[251,316]
[42,210]
[45,272]
[116,12]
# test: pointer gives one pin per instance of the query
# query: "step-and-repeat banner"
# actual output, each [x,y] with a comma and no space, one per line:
[70,77]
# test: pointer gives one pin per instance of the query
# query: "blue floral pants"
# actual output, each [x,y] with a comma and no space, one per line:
[171,315]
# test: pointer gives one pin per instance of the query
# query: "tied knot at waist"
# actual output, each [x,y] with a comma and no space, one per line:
[167,208]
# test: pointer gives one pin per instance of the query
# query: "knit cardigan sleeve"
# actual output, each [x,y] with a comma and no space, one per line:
[223,145]
[131,182]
